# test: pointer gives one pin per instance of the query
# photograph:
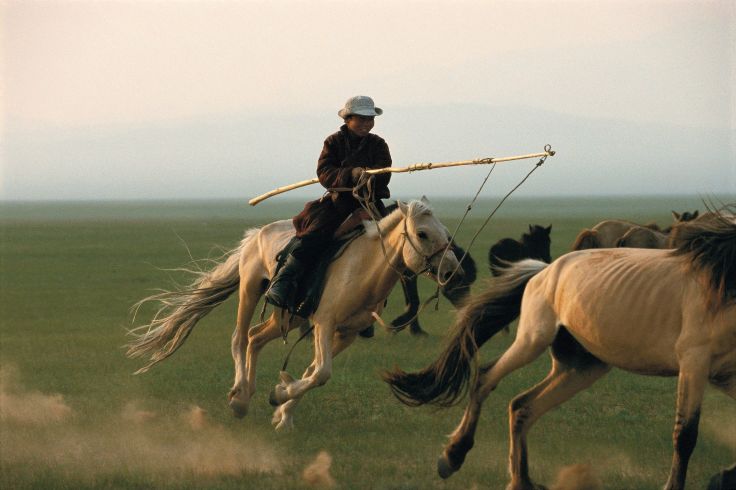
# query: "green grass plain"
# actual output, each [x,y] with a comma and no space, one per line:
[69,273]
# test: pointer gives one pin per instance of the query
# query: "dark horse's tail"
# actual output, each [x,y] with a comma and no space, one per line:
[445,381]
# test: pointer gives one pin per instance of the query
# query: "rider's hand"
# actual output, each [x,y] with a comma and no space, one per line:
[356,174]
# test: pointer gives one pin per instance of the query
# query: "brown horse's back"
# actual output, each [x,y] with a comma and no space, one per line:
[612,301]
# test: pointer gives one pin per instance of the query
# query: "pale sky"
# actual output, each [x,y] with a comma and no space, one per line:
[137,99]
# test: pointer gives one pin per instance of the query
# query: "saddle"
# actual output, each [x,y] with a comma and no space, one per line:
[310,287]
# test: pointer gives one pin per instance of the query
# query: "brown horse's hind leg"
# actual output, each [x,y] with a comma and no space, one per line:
[536,332]
[690,388]
[573,370]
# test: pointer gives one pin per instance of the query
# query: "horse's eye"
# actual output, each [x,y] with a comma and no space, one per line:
[422,235]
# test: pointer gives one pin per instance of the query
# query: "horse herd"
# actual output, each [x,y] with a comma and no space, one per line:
[597,307]
[537,244]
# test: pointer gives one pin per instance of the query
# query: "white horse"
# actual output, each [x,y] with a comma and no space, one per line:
[356,286]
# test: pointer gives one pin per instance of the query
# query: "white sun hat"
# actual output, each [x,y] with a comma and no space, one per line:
[360,105]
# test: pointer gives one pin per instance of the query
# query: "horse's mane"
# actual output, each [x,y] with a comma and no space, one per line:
[392,219]
[710,246]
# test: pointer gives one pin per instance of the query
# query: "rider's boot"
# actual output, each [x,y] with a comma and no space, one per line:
[284,285]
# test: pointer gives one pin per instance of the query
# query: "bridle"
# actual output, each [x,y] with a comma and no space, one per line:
[427,258]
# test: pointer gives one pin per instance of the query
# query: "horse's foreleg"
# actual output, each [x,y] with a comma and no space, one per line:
[283,419]
[561,384]
[411,298]
[283,415]
[690,388]
[289,389]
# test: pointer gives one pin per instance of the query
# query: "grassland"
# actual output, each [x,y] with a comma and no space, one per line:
[69,273]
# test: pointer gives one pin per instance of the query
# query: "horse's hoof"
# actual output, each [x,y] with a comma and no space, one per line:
[239,408]
[272,398]
[444,468]
[285,425]
[526,486]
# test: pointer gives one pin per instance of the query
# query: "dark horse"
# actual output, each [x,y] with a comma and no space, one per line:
[456,291]
[533,245]
[594,310]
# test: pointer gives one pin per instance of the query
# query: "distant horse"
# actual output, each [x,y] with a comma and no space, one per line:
[457,290]
[640,237]
[608,233]
[533,245]
[652,312]
[357,284]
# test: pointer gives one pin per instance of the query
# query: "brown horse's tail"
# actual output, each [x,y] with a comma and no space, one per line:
[180,310]
[445,381]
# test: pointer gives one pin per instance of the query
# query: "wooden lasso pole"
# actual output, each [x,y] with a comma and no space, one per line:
[411,168]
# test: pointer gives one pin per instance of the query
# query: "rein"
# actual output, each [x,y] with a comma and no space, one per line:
[440,283]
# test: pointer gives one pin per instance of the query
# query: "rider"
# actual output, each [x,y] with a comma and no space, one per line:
[345,155]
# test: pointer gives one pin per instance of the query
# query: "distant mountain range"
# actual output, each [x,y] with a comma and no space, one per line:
[244,155]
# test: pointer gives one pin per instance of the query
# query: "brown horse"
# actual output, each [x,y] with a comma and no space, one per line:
[596,309]
[613,233]
[640,237]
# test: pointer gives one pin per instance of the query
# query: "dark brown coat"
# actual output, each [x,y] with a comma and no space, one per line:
[341,153]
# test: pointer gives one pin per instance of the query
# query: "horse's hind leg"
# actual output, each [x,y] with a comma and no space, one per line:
[690,388]
[573,369]
[536,331]
[250,291]
[257,337]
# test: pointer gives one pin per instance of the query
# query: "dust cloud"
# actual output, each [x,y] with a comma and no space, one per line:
[41,432]
[577,477]
[317,473]
[28,407]
[715,427]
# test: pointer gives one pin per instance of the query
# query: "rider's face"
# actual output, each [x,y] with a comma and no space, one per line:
[360,125]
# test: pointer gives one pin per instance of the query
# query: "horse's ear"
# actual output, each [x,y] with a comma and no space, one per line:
[425,200]
[531,229]
[548,229]
[695,214]
[676,215]
[403,207]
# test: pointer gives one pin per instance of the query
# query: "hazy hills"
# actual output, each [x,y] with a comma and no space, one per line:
[244,155]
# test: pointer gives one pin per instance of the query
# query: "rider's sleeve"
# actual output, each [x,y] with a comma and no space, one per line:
[382,159]
[329,171]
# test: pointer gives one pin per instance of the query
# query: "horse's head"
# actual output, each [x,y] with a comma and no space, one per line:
[426,245]
[586,239]
[537,242]
[685,216]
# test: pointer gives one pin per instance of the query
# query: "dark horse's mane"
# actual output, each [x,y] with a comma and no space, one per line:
[533,245]
[710,244]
